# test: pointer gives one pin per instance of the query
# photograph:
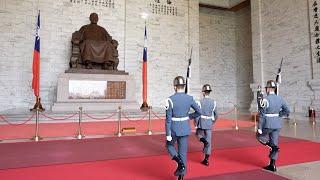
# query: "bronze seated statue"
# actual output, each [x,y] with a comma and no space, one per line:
[93,47]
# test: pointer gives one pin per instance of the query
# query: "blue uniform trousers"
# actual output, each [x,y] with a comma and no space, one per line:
[182,142]
[207,135]
[270,136]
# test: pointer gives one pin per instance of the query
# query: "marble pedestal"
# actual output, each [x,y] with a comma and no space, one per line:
[72,86]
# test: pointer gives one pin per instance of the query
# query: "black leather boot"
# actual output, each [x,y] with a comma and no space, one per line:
[272,166]
[274,150]
[206,160]
[180,177]
[204,141]
[180,167]
[269,145]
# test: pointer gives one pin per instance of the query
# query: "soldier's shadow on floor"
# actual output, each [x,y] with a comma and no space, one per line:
[153,169]
[244,156]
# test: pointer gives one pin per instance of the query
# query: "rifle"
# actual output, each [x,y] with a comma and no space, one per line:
[278,78]
[188,74]
[260,101]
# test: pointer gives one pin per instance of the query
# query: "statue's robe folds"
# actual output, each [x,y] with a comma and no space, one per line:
[95,44]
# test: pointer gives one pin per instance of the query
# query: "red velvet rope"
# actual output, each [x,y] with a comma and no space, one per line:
[13,124]
[59,118]
[126,117]
[96,118]
[228,112]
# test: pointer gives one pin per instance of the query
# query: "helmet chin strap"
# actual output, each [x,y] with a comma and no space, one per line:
[179,90]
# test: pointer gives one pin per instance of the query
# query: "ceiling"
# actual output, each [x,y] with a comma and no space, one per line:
[222,3]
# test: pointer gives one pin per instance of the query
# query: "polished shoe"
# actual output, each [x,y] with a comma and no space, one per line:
[272,166]
[88,65]
[180,177]
[180,167]
[206,160]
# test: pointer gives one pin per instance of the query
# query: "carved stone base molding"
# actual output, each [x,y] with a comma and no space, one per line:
[315,87]
[254,105]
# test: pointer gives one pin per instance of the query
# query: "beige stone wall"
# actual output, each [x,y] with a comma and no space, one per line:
[281,30]
[225,56]
[170,38]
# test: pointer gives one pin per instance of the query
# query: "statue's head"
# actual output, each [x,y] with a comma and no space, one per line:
[94,18]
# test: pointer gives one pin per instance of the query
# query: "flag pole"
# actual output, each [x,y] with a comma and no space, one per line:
[188,74]
[36,68]
[145,106]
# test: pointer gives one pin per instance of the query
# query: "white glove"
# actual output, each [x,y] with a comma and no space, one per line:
[169,138]
[196,127]
[259,131]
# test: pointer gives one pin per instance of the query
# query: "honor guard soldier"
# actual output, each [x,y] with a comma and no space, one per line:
[273,107]
[177,124]
[206,121]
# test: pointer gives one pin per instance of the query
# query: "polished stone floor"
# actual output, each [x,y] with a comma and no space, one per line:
[304,129]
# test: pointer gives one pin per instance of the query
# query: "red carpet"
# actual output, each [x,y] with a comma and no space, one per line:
[253,174]
[161,167]
[96,128]
[26,154]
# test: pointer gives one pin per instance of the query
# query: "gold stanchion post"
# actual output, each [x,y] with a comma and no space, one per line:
[255,122]
[236,117]
[295,131]
[119,122]
[313,127]
[80,135]
[313,120]
[36,136]
[294,116]
[149,121]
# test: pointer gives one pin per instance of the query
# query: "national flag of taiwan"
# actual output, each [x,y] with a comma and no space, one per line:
[36,61]
[144,68]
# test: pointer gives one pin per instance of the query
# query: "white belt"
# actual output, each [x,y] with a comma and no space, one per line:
[272,115]
[207,117]
[180,119]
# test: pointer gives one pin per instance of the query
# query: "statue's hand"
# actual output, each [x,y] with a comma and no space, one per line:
[76,41]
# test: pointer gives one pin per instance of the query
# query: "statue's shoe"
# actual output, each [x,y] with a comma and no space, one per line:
[89,66]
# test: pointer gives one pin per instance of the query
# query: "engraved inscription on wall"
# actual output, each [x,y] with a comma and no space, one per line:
[315,29]
[116,90]
[163,7]
[101,3]
[87,89]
